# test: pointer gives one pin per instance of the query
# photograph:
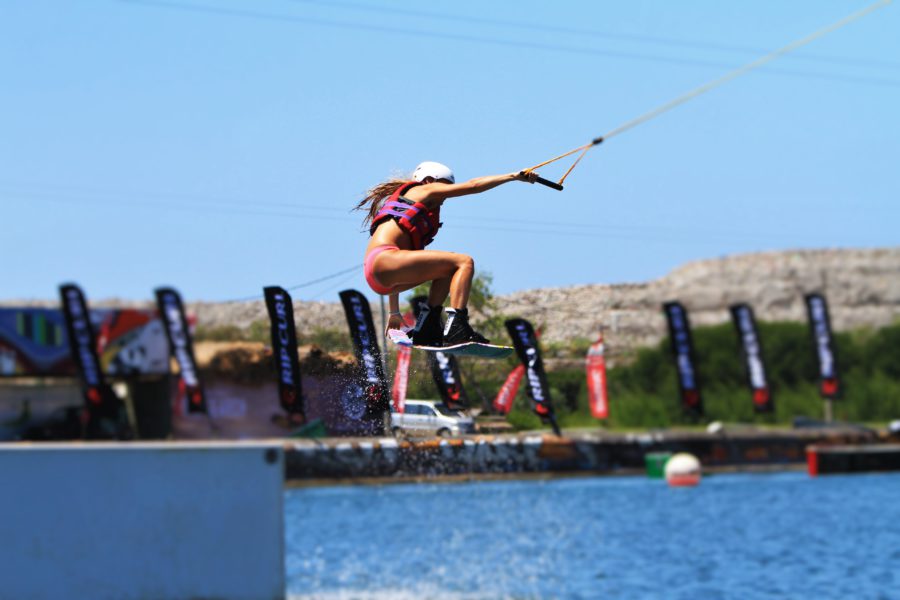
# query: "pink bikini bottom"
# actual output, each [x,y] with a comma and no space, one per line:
[367,269]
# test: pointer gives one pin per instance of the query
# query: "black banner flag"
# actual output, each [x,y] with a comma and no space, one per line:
[685,361]
[528,351]
[368,399]
[751,352]
[447,378]
[171,309]
[823,341]
[444,369]
[102,405]
[284,347]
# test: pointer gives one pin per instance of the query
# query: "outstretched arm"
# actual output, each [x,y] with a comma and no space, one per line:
[435,193]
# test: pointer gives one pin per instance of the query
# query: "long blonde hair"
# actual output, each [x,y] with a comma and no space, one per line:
[372,201]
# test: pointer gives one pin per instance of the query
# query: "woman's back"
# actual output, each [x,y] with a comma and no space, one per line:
[389,233]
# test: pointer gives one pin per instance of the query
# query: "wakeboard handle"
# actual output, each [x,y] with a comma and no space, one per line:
[547,182]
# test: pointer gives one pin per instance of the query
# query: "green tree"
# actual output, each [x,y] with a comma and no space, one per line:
[481,296]
[644,393]
[332,339]
[221,333]
[481,378]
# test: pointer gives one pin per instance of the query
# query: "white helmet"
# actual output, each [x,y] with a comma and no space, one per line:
[433,169]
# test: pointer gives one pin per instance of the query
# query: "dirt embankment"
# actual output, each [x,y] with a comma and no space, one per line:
[252,363]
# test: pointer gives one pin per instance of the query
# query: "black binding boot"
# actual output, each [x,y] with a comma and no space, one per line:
[429,330]
[458,331]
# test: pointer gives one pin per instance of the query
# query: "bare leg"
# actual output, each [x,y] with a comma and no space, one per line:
[461,283]
[440,289]
[405,269]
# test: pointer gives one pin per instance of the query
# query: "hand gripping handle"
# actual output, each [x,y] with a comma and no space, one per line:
[547,182]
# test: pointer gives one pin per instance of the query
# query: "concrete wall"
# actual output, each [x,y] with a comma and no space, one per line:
[142,520]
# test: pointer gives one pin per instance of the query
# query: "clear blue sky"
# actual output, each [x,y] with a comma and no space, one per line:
[217,146]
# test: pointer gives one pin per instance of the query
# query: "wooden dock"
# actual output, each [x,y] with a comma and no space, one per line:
[852,458]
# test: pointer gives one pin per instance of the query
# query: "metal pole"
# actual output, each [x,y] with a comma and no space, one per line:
[384,355]
[385,362]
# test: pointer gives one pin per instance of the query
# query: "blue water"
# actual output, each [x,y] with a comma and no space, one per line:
[780,535]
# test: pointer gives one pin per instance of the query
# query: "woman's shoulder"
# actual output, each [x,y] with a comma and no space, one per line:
[425,193]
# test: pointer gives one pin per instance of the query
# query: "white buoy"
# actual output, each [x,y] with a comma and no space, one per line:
[683,469]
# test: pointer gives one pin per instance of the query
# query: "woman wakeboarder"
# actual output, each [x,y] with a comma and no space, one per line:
[403,216]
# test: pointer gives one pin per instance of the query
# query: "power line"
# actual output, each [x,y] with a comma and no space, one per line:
[663,41]
[630,231]
[333,287]
[677,236]
[118,194]
[249,14]
[354,268]
[122,204]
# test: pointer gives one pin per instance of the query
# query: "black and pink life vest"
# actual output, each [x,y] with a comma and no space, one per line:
[414,218]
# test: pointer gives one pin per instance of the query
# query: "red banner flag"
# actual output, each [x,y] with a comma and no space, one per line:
[596,379]
[504,400]
[401,378]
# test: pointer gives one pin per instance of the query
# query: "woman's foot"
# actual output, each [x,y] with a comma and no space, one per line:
[458,331]
[429,328]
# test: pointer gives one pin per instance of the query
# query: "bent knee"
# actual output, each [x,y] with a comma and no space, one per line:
[466,262]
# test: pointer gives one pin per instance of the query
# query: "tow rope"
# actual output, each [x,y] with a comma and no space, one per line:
[558,185]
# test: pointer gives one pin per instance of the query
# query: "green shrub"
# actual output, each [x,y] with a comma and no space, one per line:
[222,333]
[328,339]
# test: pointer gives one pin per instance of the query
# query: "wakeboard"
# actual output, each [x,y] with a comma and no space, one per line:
[399,337]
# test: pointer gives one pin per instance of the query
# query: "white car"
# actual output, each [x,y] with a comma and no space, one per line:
[427,417]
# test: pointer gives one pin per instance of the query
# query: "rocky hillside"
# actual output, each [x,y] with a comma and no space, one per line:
[862,287]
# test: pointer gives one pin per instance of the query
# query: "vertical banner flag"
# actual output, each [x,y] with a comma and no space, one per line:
[401,379]
[820,327]
[171,309]
[100,400]
[447,378]
[595,365]
[404,355]
[367,400]
[280,307]
[525,342]
[683,349]
[506,396]
[751,351]
[444,369]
